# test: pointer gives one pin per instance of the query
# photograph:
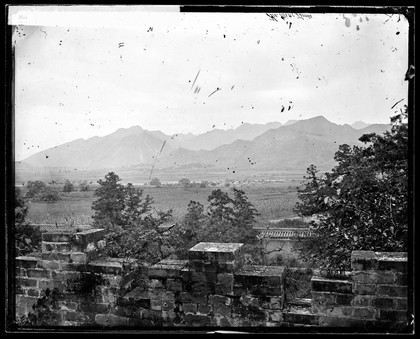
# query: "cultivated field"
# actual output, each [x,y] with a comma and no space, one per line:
[273,201]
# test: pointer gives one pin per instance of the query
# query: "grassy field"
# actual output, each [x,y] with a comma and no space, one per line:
[273,201]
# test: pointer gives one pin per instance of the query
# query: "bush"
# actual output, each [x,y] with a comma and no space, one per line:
[68,187]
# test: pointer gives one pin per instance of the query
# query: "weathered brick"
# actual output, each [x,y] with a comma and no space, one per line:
[197,320]
[94,307]
[44,284]
[79,257]
[111,320]
[66,275]
[168,305]
[331,285]
[174,285]
[51,265]
[56,256]
[27,262]
[362,300]
[309,319]
[325,321]
[401,279]
[27,282]
[395,265]
[219,300]
[24,301]
[383,302]
[401,303]
[364,289]
[105,267]
[276,303]
[38,273]
[392,315]
[156,284]
[57,237]
[20,272]
[189,308]
[222,310]
[363,313]
[392,291]
[364,260]
[33,292]
[155,305]
[204,308]
[343,299]
[374,277]
[338,311]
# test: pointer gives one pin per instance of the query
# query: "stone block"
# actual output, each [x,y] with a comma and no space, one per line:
[189,308]
[51,265]
[215,252]
[392,315]
[331,285]
[383,303]
[104,267]
[174,285]
[325,321]
[156,305]
[38,273]
[222,310]
[301,318]
[401,279]
[362,300]
[364,313]
[26,282]
[27,262]
[204,309]
[167,269]
[57,236]
[392,291]
[79,257]
[56,256]
[197,298]
[33,292]
[51,284]
[364,289]
[96,308]
[168,305]
[197,320]
[376,277]
[111,320]
[253,275]
[364,261]
[401,303]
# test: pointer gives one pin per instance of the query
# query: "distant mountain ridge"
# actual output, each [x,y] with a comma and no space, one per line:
[250,146]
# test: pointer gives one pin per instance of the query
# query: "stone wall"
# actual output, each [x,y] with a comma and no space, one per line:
[374,296]
[213,288]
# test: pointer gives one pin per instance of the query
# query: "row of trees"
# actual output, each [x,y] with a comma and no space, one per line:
[132,223]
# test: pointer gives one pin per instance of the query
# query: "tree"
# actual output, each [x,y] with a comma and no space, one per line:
[34,188]
[27,237]
[48,194]
[130,221]
[220,222]
[68,187]
[155,182]
[362,204]
[184,182]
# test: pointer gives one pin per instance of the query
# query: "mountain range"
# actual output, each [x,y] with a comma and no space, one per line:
[295,145]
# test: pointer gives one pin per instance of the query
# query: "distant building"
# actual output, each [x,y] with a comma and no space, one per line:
[280,243]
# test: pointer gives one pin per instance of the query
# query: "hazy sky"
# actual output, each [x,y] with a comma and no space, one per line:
[84,73]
